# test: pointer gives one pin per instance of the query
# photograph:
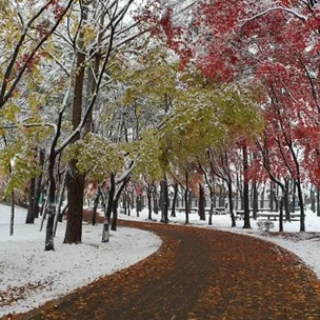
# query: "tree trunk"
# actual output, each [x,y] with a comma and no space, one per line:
[246,189]
[51,209]
[112,190]
[186,198]
[281,214]
[165,200]
[202,203]
[301,204]
[12,213]
[174,200]
[75,187]
[149,196]
[74,180]
[294,198]
[95,207]
[212,203]
[114,215]
[272,196]
[286,202]
[262,197]
[32,202]
[117,195]
[233,220]
[255,200]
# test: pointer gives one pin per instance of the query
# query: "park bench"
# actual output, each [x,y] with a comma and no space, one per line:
[275,216]
[219,210]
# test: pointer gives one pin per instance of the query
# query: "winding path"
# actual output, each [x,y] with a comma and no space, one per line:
[197,274]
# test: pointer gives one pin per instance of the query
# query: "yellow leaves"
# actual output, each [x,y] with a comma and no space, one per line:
[10,111]
[89,34]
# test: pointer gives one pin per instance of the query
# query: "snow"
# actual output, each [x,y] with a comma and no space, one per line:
[34,276]
[306,245]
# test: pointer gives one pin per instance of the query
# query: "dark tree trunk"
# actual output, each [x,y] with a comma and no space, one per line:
[276,198]
[301,204]
[246,189]
[12,213]
[186,198]
[233,219]
[221,196]
[114,215]
[202,203]
[149,196]
[95,207]
[74,180]
[281,214]
[51,209]
[75,187]
[272,196]
[294,198]
[174,200]
[32,202]
[255,200]
[155,199]
[212,203]
[138,204]
[117,195]
[262,197]
[165,200]
[286,203]
[112,190]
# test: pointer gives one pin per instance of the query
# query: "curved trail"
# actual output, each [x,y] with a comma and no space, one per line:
[197,274]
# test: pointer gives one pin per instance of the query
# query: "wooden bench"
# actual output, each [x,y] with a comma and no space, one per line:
[219,210]
[276,216]
[183,209]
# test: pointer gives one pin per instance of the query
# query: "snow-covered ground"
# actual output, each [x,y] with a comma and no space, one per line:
[305,245]
[30,276]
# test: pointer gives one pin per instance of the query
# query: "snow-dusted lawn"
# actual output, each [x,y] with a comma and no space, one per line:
[36,276]
[305,245]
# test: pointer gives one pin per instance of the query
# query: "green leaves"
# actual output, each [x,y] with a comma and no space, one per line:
[18,163]
[96,156]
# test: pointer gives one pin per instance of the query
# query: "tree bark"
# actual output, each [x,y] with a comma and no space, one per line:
[74,180]
[149,196]
[95,207]
[233,220]
[32,202]
[301,204]
[246,189]
[12,213]
[212,203]
[281,214]
[174,200]
[112,190]
[75,187]
[117,195]
[165,200]
[202,200]
[255,200]
[186,198]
